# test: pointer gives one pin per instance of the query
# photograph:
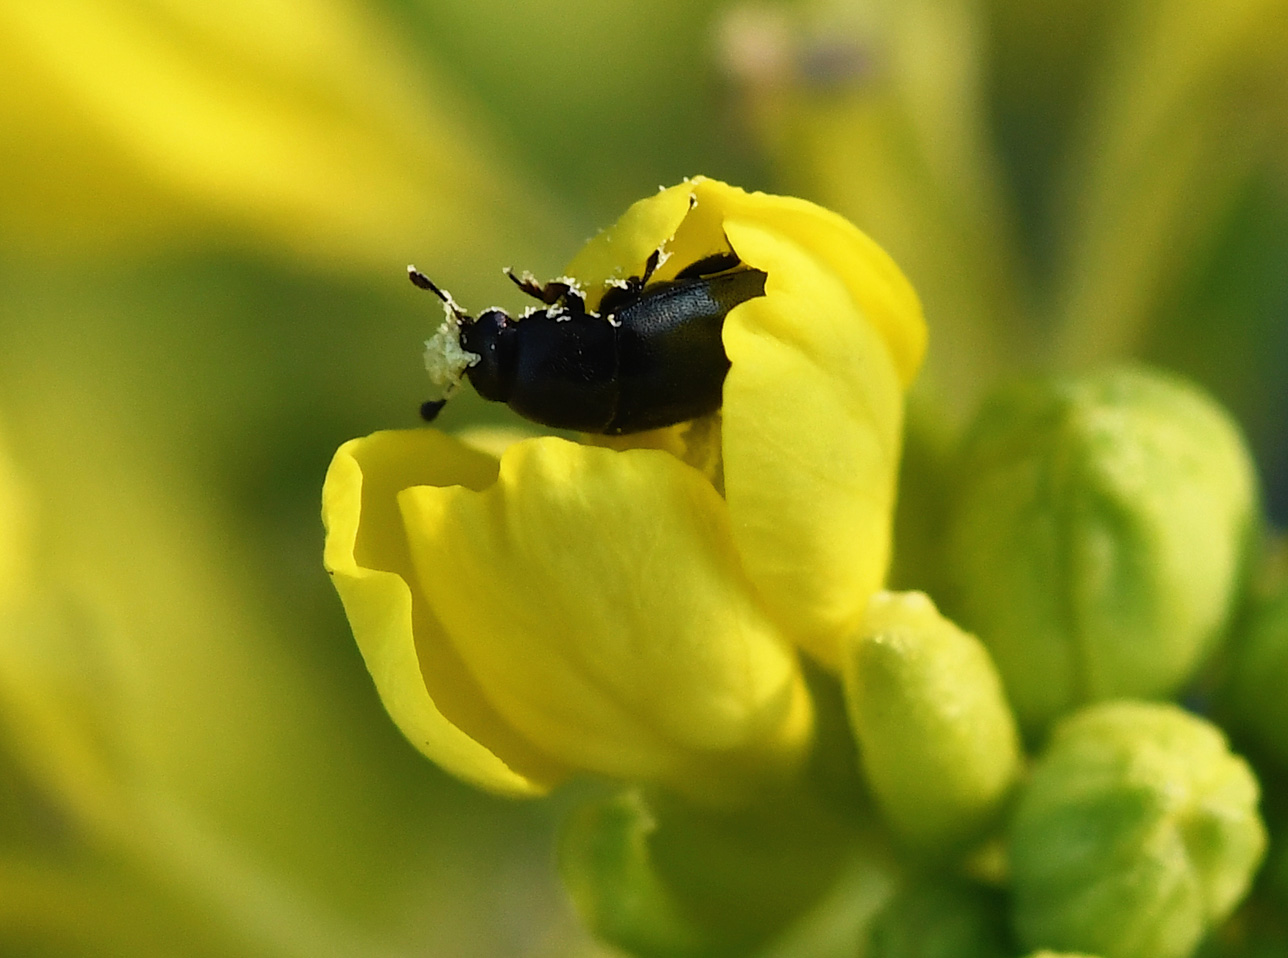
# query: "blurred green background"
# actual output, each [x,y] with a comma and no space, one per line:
[205,215]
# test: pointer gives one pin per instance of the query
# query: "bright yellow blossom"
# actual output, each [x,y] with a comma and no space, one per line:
[307,125]
[633,610]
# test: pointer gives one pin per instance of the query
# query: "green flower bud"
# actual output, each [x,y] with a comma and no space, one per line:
[936,738]
[608,869]
[1098,541]
[1137,832]
[941,920]
[662,878]
[1259,676]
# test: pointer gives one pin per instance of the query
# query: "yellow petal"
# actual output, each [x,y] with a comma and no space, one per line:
[598,600]
[880,291]
[696,443]
[427,690]
[620,251]
[813,404]
[813,410]
[813,416]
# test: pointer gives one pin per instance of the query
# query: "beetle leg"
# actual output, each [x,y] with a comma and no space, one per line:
[548,293]
[650,265]
[529,285]
[556,291]
[709,265]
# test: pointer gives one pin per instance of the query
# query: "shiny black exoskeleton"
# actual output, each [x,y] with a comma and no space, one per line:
[650,357]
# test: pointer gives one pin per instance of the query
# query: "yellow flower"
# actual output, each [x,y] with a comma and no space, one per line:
[633,610]
[310,126]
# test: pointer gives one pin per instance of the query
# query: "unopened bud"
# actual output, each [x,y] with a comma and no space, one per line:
[936,738]
[1137,833]
[1099,540]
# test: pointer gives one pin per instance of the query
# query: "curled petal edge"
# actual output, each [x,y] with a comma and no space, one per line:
[379,606]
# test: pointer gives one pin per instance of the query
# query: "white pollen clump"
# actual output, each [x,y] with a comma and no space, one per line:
[445,359]
[574,286]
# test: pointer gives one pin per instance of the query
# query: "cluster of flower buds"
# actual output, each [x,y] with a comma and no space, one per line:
[799,763]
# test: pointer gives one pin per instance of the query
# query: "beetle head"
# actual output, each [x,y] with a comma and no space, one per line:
[446,357]
[491,338]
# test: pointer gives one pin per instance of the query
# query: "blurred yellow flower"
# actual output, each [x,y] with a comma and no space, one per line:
[306,125]
[159,762]
[625,610]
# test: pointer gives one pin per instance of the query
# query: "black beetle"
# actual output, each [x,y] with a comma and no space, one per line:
[650,357]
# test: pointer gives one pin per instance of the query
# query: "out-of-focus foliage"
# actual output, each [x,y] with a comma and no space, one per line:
[13,532]
[1063,183]
[1259,674]
[205,216]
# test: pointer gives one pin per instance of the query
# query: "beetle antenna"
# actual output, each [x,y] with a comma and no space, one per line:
[421,281]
